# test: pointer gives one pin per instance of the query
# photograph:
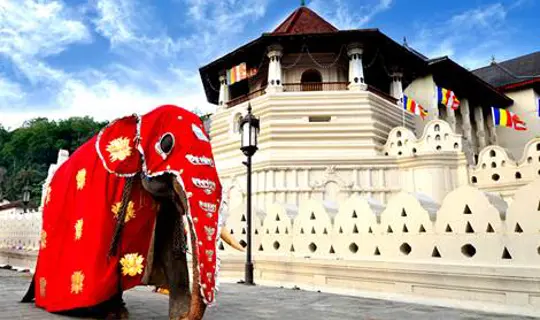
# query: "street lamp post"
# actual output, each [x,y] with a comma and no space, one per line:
[26,197]
[249,129]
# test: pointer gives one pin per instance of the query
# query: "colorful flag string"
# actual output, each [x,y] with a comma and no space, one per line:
[447,98]
[413,107]
[505,118]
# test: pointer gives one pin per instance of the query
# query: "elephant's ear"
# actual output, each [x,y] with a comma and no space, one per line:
[116,146]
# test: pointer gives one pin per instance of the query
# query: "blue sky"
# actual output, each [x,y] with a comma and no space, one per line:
[108,58]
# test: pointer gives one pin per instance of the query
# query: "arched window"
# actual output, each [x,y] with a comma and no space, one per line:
[311,80]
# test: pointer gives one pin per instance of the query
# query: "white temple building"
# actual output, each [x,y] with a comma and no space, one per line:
[329,105]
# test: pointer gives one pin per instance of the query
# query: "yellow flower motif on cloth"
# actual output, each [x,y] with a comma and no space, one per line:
[130,210]
[119,149]
[77,281]
[42,286]
[132,264]
[81,179]
[78,229]
[43,239]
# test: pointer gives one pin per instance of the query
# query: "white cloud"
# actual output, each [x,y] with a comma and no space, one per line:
[30,28]
[152,69]
[98,95]
[128,24]
[481,31]
[10,92]
[342,16]
[219,22]
[115,20]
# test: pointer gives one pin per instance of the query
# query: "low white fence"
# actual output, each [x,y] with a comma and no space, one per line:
[471,248]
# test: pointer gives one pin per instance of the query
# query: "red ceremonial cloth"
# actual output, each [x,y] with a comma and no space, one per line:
[83,201]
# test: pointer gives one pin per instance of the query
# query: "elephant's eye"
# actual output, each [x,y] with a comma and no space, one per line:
[166,144]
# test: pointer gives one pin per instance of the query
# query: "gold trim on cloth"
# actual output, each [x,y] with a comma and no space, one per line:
[42,286]
[43,239]
[130,210]
[77,282]
[48,195]
[132,264]
[119,149]
[78,229]
[81,179]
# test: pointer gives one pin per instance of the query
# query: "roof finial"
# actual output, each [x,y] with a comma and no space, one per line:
[493,61]
[405,44]
[303,3]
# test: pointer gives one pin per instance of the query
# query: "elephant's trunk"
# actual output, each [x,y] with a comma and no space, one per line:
[197,306]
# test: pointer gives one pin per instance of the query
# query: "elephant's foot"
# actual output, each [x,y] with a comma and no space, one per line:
[184,316]
[118,313]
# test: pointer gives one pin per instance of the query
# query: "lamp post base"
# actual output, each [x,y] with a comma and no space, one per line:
[249,274]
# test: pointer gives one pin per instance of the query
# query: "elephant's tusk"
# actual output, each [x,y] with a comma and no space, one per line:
[230,240]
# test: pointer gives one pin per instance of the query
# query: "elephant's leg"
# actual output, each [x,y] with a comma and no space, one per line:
[176,270]
[30,294]
[197,308]
[117,307]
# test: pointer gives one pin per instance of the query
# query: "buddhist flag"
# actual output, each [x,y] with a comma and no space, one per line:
[237,73]
[505,118]
[447,98]
[413,107]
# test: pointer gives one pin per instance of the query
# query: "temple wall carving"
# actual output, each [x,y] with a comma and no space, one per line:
[499,173]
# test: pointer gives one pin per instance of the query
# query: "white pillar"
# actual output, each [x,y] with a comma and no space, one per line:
[396,86]
[451,118]
[223,91]
[492,130]
[468,144]
[480,131]
[275,82]
[356,68]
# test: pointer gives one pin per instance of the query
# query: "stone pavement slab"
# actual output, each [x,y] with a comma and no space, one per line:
[240,302]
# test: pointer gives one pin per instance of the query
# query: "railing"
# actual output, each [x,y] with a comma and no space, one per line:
[246,97]
[315,86]
[381,94]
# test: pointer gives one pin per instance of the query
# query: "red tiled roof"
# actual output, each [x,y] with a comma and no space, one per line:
[304,21]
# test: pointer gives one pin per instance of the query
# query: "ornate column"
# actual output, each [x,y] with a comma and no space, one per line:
[492,131]
[223,91]
[468,144]
[480,131]
[356,68]
[466,120]
[275,83]
[396,86]
[451,118]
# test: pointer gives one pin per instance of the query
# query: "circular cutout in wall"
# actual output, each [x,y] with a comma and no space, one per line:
[468,250]
[405,248]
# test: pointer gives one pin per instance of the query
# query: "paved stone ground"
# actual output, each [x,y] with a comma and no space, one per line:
[240,302]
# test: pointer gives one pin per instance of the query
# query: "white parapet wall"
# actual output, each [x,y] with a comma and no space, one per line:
[472,250]
[499,173]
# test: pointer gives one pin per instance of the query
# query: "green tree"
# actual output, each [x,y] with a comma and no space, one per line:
[27,152]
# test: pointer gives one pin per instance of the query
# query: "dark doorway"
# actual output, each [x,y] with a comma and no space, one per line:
[311,80]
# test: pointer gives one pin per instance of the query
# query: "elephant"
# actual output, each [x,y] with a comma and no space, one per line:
[118,214]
